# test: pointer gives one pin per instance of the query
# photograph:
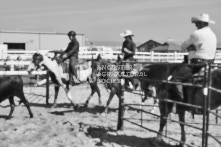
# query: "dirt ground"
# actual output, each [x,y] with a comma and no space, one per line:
[86,127]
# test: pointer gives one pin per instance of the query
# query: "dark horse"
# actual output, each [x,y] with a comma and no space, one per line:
[11,86]
[192,95]
[58,76]
[109,76]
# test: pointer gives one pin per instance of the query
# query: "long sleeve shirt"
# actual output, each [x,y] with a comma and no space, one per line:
[205,41]
[131,46]
[73,48]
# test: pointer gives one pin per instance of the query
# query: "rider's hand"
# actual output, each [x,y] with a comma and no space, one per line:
[192,47]
[64,57]
[128,51]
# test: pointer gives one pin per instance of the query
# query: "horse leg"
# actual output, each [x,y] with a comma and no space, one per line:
[94,88]
[68,94]
[12,105]
[98,93]
[26,103]
[182,119]
[112,93]
[56,89]
[154,105]
[90,96]
[163,120]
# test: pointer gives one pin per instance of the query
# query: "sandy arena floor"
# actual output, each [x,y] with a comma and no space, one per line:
[86,127]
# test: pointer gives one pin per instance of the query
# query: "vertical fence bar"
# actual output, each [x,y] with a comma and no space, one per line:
[205,111]
[120,124]
[208,102]
[47,88]
[217,113]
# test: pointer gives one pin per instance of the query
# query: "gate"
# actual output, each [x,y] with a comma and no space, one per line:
[206,86]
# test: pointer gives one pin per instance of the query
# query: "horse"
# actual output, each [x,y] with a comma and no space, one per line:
[11,86]
[108,75]
[58,76]
[192,95]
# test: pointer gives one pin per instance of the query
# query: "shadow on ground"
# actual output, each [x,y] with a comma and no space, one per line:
[82,109]
[110,136]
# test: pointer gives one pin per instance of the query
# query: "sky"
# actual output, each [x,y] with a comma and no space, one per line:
[104,20]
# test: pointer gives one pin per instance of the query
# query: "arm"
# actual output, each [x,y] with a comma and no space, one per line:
[187,44]
[133,49]
[73,49]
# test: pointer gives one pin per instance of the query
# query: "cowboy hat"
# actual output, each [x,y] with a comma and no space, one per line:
[126,33]
[203,18]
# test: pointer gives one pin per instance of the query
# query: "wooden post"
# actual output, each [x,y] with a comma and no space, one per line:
[152,56]
[120,124]
[47,88]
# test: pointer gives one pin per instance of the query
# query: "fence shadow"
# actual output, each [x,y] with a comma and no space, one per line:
[94,110]
[110,136]
[82,109]
[4,116]
[60,105]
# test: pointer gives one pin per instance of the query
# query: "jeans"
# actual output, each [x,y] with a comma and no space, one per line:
[128,71]
[72,66]
[184,72]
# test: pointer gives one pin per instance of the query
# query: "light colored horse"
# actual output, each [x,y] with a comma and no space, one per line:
[57,74]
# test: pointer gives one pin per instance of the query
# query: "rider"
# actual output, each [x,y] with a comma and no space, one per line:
[128,49]
[71,53]
[201,46]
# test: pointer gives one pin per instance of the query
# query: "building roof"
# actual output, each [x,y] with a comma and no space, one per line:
[148,42]
[170,46]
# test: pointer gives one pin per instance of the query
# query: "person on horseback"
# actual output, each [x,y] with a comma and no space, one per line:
[201,47]
[71,53]
[128,50]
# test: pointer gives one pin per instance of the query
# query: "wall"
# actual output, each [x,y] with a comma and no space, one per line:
[39,41]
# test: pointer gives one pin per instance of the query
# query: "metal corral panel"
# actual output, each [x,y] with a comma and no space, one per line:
[38,41]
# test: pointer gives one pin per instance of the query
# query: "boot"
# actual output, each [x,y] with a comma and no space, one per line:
[75,80]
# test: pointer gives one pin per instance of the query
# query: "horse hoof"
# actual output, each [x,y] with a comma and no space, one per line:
[76,107]
[159,138]
[85,105]
[54,106]
[8,118]
[181,145]
[152,111]
[103,114]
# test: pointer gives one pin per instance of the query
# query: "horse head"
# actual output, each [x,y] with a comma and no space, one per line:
[96,66]
[151,83]
[37,59]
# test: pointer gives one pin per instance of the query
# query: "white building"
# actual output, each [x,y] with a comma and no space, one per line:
[20,40]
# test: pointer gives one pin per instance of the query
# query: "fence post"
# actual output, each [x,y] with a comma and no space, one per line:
[206,106]
[47,88]
[175,56]
[152,56]
[120,124]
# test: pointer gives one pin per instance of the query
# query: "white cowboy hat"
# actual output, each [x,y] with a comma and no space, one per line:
[202,17]
[126,33]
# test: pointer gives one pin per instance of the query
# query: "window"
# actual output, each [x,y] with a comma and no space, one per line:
[15,46]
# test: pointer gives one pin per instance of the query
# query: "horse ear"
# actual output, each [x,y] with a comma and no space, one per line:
[118,58]
[99,57]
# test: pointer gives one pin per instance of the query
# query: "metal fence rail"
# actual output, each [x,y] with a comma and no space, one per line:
[205,108]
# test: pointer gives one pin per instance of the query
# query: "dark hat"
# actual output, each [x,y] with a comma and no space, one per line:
[71,33]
